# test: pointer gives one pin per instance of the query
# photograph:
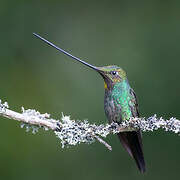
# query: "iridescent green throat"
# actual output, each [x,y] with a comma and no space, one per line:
[122,98]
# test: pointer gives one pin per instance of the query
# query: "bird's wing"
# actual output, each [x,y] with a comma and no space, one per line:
[135,110]
[134,106]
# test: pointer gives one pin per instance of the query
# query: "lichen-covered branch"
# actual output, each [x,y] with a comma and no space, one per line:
[71,132]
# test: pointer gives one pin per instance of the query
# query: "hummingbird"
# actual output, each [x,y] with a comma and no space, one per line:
[120,104]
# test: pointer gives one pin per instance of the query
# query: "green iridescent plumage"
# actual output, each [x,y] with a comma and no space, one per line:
[122,97]
[120,104]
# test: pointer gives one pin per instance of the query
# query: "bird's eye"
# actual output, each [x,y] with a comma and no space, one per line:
[114,73]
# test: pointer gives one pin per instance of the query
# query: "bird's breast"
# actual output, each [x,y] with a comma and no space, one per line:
[112,110]
[117,103]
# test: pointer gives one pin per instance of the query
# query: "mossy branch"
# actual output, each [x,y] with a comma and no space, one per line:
[71,132]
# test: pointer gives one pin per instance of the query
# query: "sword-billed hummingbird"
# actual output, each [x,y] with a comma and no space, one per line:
[120,104]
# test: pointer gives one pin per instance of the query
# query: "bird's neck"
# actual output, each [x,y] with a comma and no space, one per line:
[118,86]
[122,86]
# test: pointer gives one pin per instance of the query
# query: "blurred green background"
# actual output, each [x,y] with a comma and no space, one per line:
[143,37]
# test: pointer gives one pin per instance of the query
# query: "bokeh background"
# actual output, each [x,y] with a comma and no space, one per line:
[143,37]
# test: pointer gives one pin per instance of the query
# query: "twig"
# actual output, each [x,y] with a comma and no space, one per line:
[33,120]
[103,142]
[71,132]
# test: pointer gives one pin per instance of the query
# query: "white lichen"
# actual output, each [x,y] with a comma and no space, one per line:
[71,132]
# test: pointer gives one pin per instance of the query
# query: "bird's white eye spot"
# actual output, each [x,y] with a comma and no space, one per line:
[114,73]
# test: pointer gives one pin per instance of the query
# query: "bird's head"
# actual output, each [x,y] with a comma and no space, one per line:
[111,75]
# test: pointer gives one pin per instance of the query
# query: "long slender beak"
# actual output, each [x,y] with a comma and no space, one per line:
[66,53]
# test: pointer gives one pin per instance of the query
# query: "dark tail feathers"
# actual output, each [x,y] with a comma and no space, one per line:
[132,142]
